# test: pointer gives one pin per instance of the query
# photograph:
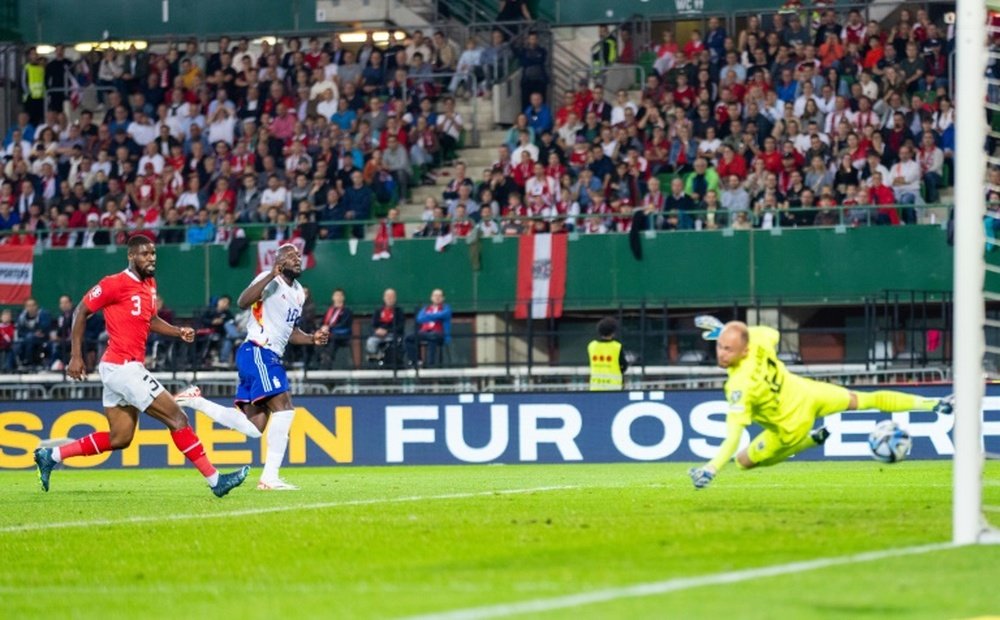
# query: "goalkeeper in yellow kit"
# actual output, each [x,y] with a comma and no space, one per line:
[760,389]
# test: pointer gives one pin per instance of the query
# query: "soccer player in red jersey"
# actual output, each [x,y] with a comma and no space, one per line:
[128,299]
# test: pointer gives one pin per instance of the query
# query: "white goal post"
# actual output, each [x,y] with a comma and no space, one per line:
[970,207]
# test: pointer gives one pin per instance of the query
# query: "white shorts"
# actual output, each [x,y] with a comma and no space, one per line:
[128,385]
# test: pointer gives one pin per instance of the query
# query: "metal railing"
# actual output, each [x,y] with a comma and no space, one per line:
[854,215]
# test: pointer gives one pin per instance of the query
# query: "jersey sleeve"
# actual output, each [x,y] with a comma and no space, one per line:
[764,336]
[102,294]
[269,289]
[738,398]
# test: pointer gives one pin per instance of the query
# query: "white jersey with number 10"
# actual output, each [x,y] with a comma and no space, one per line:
[274,316]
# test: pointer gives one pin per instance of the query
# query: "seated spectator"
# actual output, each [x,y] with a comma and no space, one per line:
[7,335]
[218,331]
[397,162]
[880,194]
[388,323]
[357,202]
[702,179]
[469,65]
[449,127]
[539,115]
[487,226]
[679,205]
[340,320]
[58,349]
[202,231]
[31,336]
[433,330]
[734,197]
[931,160]
[461,224]
[904,178]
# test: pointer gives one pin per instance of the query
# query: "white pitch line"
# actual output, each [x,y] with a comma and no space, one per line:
[31,527]
[670,585]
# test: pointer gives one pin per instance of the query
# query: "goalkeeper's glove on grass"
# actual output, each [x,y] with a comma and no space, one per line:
[711,327]
[701,476]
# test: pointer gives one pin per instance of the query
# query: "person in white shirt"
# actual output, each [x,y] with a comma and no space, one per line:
[17,142]
[151,157]
[468,63]
[275,195]
[321,85]
[142,130]
[222,126]
[524,144]
[622,103]
[904,178]
[826,100]
[869,87]
[487,226]
[328,104]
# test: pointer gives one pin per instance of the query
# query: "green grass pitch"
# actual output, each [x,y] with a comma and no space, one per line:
[397,542]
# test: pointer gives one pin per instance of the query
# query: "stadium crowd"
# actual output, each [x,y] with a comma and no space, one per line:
[784,123]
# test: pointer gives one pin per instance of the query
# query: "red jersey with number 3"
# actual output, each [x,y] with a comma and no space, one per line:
[129,305]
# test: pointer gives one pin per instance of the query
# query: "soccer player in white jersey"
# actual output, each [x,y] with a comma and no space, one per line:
[275,299]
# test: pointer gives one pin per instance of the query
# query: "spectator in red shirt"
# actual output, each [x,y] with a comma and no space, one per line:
[7,340]
[879,194]
[731,163]
[695,45]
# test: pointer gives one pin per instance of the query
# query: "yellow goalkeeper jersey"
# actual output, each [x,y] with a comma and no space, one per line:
[760,389]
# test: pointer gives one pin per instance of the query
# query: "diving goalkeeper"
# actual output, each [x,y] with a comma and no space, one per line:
[760,389]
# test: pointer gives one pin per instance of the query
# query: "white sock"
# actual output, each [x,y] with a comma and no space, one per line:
[56,455]
[230,417]
[277,442]
[213,479]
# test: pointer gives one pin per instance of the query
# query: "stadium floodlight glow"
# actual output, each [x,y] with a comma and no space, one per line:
[121,46]
[969,270]
[378,36]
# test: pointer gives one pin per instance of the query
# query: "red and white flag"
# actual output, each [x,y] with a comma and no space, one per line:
[541,276]
[16,263]
[267,250]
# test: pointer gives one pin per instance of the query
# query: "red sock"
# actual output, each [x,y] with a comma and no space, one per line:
[92,444]
[190,446]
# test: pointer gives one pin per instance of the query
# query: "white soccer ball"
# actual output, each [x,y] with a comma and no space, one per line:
[889,442]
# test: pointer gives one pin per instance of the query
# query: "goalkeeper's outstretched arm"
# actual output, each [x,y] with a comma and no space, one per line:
[734,432]
[702,476]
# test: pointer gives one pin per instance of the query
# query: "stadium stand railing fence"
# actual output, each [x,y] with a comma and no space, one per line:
[838,218]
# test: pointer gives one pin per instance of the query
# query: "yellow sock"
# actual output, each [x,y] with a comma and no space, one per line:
[885,400]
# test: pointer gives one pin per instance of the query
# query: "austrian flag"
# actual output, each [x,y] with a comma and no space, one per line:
[16,263]
[541,276]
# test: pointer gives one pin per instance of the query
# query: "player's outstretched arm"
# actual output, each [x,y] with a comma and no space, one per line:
[253,293]
[319,338]
[159,326]
[702,476]
[76,368]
